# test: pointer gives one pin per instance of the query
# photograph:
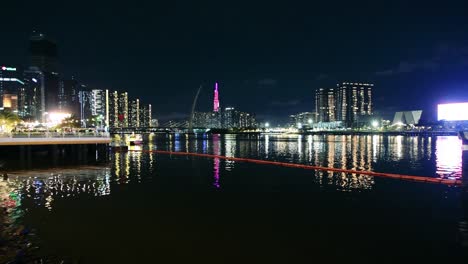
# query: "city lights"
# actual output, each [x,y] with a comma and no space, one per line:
[453,112]
[56,118]
[375,124]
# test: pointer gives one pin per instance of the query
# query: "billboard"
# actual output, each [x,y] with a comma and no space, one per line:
[452,112]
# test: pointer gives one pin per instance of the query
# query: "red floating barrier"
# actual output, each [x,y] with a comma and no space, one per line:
[311,167]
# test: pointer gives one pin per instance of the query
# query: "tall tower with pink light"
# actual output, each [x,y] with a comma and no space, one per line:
[216,99]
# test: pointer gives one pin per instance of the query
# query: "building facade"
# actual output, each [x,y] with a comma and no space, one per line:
[31,99]
[10,82]
[325,104]
[68,97]
[98,102]
[113,108]
[123,110]
[134,113]
[353,102]
[145,115]
[302,119]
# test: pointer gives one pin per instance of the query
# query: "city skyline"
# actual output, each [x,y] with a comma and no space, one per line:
[268,53]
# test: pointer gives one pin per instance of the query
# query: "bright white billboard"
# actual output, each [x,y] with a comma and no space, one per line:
[452,112]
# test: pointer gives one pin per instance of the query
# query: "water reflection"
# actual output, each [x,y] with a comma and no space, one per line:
[44,186]
[216,151]
[438,156]
[449,157]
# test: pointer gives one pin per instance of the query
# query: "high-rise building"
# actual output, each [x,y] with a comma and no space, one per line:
[353,102]
[44,57]
[31,99]
[84,97]
[112,110]
[216,99]
[325,104]
[10,82]
[145,115]
[123,109]
[247,120]
[134,113]
[232,118]
[68,99]
[43,53]
[98,103]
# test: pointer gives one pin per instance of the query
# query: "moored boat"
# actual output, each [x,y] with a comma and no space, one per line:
[135,139]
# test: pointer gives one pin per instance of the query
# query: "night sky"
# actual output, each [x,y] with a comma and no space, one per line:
[269,57]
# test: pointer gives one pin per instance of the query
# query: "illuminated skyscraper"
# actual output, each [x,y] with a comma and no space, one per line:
[145,115]
[134,113]
[123,109]
[325,104]
[216,99]
[31,101]
[68,97]
[112,109]
[98,103]
[353,102]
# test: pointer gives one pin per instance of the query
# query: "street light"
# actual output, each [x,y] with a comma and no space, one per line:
[309,121]
[267,124]
[299,125]
[375,124]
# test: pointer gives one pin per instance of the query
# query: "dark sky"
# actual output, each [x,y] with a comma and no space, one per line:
[268,56]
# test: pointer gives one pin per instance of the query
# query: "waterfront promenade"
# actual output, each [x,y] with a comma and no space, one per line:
[53,138]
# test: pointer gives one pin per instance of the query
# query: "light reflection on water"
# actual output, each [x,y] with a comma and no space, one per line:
[437,157]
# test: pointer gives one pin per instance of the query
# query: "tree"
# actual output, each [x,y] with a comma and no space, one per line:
[70,122]
[8,120]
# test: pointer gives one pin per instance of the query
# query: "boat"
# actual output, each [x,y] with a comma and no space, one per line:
[135,139]
[463,135]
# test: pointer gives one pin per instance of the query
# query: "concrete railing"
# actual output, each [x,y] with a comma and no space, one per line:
[55,135]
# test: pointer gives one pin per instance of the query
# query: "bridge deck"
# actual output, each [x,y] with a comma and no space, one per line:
[13,141]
